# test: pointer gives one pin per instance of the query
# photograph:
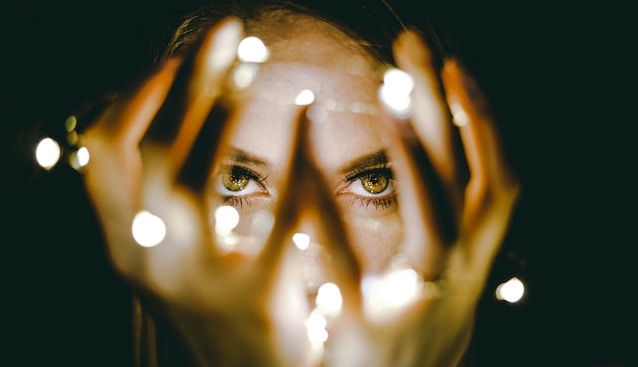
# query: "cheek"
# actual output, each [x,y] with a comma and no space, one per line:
[376,240]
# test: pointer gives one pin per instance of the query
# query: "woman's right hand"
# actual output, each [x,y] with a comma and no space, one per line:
[227,306]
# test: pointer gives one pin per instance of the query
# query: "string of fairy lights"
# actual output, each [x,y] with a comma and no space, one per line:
[382,294]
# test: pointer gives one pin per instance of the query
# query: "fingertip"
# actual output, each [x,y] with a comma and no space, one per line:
[220,44]
[450,70]
[461,88]
[410,49]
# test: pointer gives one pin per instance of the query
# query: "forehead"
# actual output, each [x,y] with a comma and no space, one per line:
[306,53]
[294,37]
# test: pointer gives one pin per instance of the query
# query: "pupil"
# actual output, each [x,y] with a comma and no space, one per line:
[235,181]
[374,183]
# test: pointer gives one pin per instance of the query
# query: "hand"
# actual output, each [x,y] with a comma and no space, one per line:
[226,306]
[454,227]
[218,299]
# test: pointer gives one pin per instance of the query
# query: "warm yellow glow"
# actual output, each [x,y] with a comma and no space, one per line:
[329,299]
[398,80]
[301,240]
[244,74]
[148,229]
[80,158]
[510,291]
[226,219]
[47,153]
[71,123]
[391,291]
[316,328]
[395,91]
[252,49]
[304,98]
[459,117]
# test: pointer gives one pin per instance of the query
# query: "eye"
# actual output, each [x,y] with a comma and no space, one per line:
[376,182]
[240,181]
[235,181]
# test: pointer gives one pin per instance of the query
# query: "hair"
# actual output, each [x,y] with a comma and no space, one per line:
[373,24]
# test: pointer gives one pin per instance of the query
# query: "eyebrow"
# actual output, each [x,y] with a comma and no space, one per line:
[363,162]
[354,166]
[241,156]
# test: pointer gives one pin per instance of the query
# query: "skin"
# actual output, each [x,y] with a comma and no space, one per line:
[339,140]
[258,298]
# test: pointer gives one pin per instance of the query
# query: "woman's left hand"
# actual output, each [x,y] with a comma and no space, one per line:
[454,226]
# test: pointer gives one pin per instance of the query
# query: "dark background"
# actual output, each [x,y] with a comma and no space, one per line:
[561,84]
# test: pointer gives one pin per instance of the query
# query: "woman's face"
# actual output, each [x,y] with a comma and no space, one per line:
[347,143]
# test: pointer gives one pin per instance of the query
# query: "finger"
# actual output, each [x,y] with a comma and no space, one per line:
[287,209]
[195,90]
[195,171]
[492,189]
[489,170]
[430,114]
[211,64]
[469,107]
[130,115]
[320,203]
[428,225]
[306,195]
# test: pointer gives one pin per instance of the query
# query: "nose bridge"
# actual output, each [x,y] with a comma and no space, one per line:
[309,224]
[310,239]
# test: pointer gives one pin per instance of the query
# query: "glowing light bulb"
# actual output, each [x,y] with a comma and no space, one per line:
[80,158]
[244,74]
[226,219]
[70,123]
[390,292]
[301,240]
[47,153]
[395,91]
[305,98]
[329,299]
[459,116]
[148,229]
[510,291]
[317,333]
[252,49]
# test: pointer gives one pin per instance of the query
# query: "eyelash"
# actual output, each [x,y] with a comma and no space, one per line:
[241,200]
[381,203]
[384,202]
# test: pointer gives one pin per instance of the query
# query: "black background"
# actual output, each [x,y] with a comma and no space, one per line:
[560,82]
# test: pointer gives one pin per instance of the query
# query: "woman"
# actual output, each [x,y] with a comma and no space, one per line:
[305,144]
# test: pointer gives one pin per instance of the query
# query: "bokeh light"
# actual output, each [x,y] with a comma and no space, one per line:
[47,153]
[148,229]
[80,158]
[244,74]
[395,91]
[510,291]
[305,98]
[226,219]
[316,327]
[252,49]
[390,292]
[301,240]
[329,300]
[459,116]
